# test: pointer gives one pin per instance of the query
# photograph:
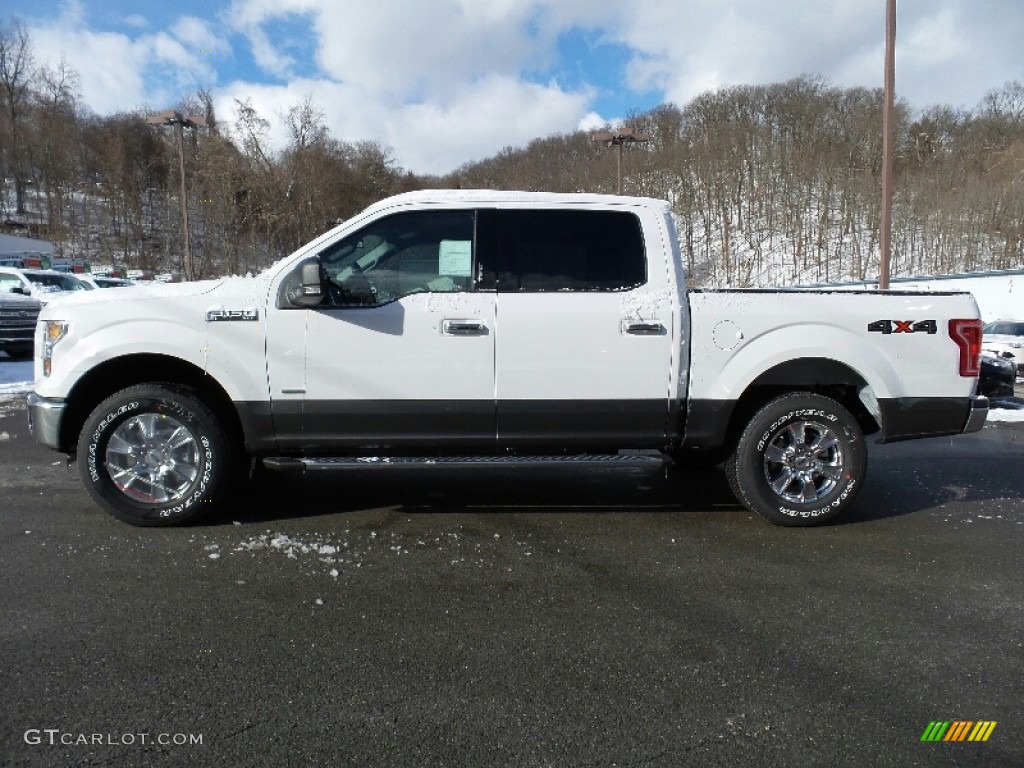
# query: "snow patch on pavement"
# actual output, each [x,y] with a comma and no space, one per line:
[343,554]
[15,378]
[1004,415]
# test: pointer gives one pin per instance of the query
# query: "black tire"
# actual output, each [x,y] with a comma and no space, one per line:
[800,461]
[154,455]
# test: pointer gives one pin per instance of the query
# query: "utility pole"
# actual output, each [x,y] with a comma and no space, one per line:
[623,136]
[180,123]
[888,143]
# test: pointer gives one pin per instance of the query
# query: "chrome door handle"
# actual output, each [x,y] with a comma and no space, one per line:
[463,328]
[645,329]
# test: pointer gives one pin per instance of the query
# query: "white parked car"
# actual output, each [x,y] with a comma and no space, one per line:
[1005,338]
[102,281]
[42,284]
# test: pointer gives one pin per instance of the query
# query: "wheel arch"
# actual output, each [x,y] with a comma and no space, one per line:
[816,375]
[128,370]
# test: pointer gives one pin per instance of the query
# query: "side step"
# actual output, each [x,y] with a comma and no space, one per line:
[334,463]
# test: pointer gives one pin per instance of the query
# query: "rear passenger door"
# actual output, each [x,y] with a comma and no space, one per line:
[584,344]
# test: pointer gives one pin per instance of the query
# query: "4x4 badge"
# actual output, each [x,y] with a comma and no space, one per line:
[903,326]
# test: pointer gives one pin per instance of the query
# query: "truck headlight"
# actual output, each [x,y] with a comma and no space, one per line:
[53,332]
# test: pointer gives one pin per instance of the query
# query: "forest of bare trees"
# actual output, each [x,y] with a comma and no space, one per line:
[771,185]
[780,184]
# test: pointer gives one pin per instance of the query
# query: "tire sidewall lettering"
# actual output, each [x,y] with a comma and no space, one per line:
[94,441]
[200,490]
[782,421]
[118,415]
[834,504]
[751,482]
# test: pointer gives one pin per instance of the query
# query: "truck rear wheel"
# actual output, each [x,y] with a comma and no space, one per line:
[800,460]
[154,455]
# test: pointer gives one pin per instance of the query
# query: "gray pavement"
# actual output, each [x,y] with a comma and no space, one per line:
[549,618]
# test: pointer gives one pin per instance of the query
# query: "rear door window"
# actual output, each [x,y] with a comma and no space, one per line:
[570,250]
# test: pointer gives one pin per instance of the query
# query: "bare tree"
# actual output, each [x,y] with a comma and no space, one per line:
[16,72]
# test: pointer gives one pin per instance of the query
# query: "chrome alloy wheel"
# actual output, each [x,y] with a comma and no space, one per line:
[803,462]
[153,458]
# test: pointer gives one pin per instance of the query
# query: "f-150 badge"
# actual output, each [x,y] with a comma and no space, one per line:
[221,315]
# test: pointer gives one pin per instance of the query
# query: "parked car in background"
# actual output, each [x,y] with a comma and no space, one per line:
[42,284]
[1005,338]
[18,316]
[100,281]
[997,376]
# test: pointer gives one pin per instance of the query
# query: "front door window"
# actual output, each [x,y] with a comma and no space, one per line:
[400,255]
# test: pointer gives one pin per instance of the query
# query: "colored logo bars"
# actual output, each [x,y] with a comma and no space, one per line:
[958,730]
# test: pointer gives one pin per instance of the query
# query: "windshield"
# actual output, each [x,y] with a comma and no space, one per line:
[57,282]
[1005,329]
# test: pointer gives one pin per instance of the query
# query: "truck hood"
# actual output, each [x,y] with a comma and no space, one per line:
[16,301]
[135,299]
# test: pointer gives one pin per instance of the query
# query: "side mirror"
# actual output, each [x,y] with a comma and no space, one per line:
[309,292]
[21,289]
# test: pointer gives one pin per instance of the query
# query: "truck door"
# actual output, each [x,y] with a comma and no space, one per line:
[585,330]
[400,356]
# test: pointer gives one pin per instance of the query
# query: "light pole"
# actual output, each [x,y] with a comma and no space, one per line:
[622,136]
[181,122]
[888,143]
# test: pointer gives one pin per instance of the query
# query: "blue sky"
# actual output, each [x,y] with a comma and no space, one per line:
[443,82]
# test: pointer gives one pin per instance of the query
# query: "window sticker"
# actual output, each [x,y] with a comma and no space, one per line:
[455,258]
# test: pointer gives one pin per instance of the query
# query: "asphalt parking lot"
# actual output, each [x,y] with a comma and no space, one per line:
[550,618]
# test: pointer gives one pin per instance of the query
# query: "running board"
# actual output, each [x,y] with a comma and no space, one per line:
[335,463]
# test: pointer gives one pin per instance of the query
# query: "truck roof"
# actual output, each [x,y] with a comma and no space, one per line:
[464,196]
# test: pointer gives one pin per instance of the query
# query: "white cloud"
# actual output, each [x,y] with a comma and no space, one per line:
[445,81]
[196,34]
[135,20]
[426,137]
[248,18]
[108,63]
[592,121]
[117,71]
[400,49]
[492,113]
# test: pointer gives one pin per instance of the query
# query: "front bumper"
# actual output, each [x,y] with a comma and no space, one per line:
[44,418]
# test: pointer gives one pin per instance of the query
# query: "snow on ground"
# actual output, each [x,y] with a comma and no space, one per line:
[15,378]
[344,553]
[1005,415]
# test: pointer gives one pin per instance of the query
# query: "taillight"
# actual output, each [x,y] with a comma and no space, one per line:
[967,335]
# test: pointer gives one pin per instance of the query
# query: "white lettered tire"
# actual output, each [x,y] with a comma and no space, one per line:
[800,461]
[154,455]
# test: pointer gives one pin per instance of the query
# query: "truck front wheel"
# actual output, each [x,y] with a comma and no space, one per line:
[800,460]
[154,455]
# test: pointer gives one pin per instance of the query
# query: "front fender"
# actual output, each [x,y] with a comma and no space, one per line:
[236,364]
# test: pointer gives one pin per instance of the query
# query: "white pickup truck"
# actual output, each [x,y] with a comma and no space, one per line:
[471,328]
